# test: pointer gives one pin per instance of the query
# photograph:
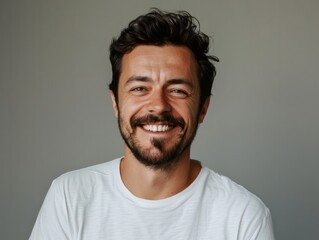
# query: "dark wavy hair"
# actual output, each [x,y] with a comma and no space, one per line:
[161,28]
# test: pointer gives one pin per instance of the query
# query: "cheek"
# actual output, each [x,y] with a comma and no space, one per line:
[129,108]
[188,111]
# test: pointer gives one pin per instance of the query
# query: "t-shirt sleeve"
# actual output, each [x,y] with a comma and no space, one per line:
[52,221]
[265,229]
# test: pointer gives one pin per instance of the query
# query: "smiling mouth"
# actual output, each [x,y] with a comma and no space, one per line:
[157,128]
[158,124]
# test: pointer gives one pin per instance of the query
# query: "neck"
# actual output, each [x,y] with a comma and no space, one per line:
[153,184]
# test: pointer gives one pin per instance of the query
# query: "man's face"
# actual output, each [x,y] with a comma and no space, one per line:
[158,103]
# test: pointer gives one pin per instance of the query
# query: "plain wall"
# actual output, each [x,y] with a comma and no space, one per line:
[262,129]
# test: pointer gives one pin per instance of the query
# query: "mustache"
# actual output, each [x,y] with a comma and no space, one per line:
[164,118]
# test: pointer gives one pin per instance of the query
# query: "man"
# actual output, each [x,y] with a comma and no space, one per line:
[162,79]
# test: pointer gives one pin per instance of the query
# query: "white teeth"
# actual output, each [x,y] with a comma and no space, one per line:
[157,128]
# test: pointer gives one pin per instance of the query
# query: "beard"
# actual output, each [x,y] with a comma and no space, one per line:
[159,157]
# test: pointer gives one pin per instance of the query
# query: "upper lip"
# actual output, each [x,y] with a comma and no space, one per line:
[158,120]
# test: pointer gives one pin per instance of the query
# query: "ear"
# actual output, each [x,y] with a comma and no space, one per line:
[204,110]
[114,103]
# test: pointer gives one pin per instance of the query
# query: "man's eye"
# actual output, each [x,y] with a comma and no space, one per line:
[179,93]
[138,89]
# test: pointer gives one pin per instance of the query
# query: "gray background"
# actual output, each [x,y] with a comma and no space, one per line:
[262,128]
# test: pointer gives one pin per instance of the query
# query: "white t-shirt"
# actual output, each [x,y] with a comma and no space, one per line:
[93,203]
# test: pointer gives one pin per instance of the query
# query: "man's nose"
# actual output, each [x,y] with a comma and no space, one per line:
[158,102]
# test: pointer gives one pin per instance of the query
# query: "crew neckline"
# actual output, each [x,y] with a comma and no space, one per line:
[161,204]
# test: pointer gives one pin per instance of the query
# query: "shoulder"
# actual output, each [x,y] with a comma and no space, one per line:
[234,197]
[88,177]
[224,186]
[237,207]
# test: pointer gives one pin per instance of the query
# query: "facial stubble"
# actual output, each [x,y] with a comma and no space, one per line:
[164,159]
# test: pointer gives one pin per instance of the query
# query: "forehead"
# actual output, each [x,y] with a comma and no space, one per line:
[159,62]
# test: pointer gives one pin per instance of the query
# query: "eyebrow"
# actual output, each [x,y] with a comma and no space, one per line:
[135,78]
[180,81]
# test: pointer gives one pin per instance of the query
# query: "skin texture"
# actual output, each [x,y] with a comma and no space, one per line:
[158,115]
